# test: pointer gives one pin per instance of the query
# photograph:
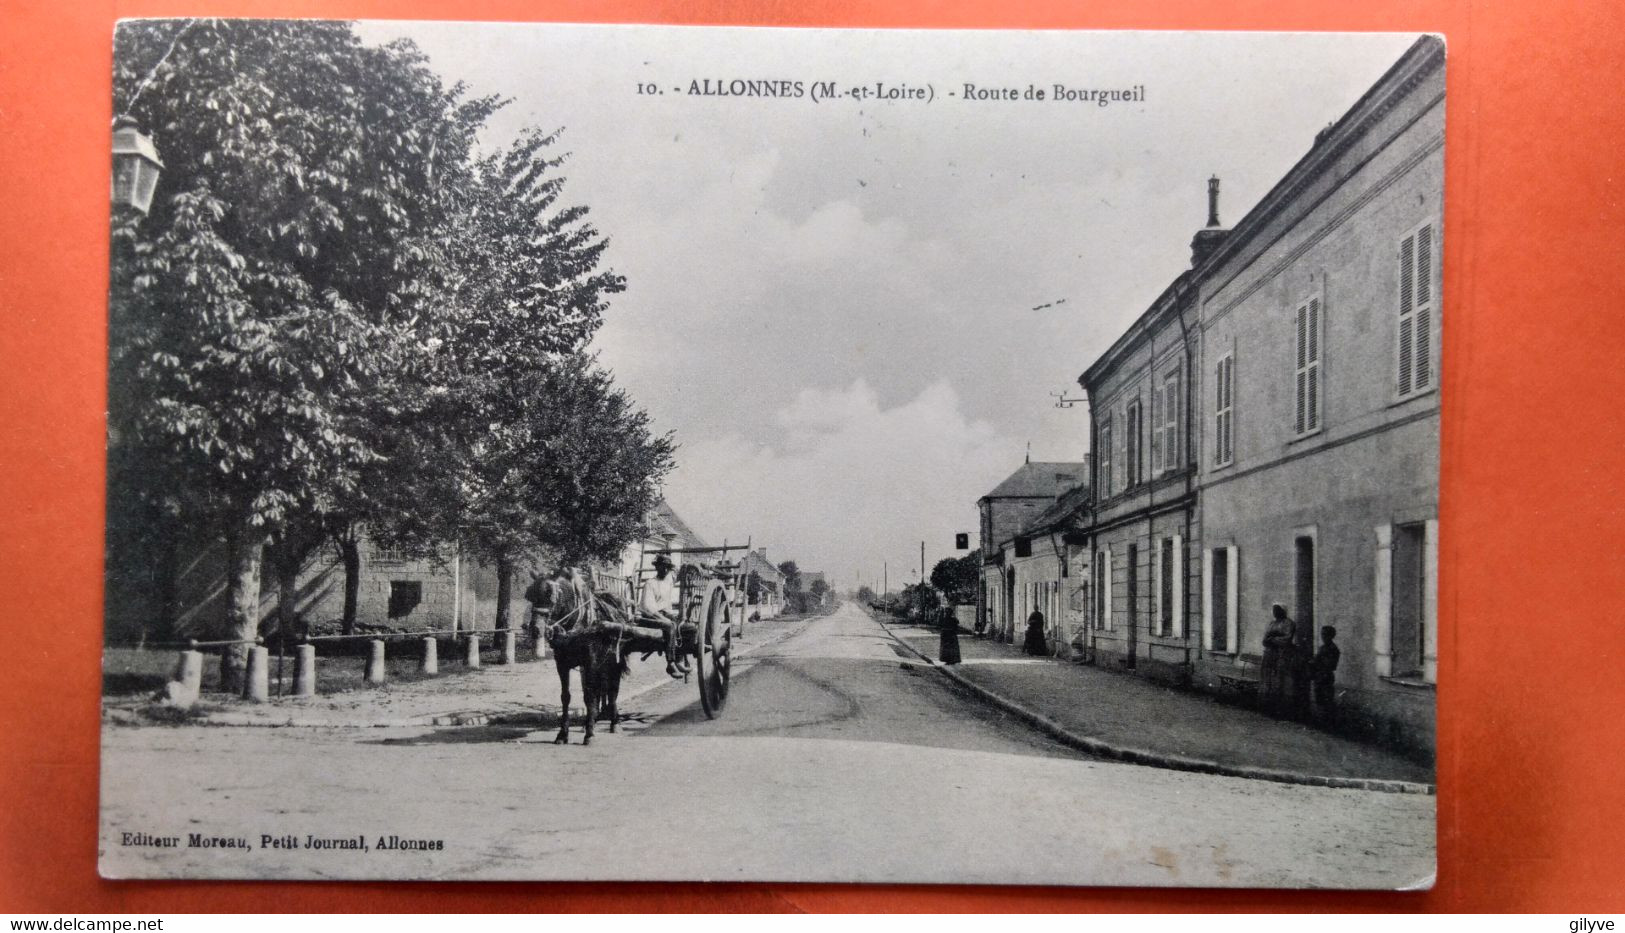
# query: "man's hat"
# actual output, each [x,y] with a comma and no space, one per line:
[662,560]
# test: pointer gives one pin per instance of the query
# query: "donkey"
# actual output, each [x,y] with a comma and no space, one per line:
[578,642]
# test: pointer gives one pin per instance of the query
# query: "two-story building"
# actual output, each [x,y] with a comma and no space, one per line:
[1005,511]
[1319,469]
[1145,514]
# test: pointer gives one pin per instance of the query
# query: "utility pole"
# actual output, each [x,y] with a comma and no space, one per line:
[885,578]
[922,561]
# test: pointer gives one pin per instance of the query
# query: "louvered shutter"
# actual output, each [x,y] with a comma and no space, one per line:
[1156,585]
[1422,337]
[1407,319]
[1312,368]
[1157,403]
[1302,377]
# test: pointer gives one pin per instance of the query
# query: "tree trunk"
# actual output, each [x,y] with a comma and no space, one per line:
[287,598]
[504,591]
[350,552]
[245,545]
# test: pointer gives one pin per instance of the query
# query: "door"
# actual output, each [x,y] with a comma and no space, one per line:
[1303,609]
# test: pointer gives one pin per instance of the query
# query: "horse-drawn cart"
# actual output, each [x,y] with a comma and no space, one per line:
[596,631]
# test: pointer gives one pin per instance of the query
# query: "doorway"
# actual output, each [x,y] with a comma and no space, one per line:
[1303,608]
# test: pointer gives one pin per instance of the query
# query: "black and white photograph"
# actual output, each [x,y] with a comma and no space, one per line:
[657,453]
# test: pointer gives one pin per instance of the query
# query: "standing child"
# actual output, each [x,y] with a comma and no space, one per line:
[1323,672]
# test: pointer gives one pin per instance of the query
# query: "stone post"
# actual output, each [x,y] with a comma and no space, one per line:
[510,647]
[375,663]
[257,677]
[431,656]
[473,651]
[189,671]
[304,671]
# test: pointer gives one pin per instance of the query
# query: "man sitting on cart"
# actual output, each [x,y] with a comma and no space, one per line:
[655,607]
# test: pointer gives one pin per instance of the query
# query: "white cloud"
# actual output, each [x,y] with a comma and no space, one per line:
[853,484]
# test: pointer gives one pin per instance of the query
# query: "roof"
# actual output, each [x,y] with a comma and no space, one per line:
[1040,480]
[756,562]
[665,520]
[1058,513]
[1424,55]
[809,576]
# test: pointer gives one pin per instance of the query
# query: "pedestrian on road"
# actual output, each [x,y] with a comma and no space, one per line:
[948,640]
[1323,673]
[1275,669]
[1034,642]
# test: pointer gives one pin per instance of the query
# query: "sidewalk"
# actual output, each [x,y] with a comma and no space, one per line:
[461,697]
[1129,718]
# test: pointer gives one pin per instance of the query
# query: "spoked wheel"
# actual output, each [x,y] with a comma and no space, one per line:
[712,650]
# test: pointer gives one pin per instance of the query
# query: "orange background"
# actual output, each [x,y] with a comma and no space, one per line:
[1532,659]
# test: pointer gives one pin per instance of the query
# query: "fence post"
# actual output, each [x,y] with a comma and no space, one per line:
[304,671]
[375,662]
[257,678]
[431,656]
[473,650]
[510,648]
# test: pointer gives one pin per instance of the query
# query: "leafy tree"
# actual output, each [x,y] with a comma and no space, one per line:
[287,269]
[866,595]
[818,591]
[957,577]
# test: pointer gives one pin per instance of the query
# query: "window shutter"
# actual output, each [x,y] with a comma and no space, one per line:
[1106,589]
[1313,366]
[1156,585]
[1302,376]
[1157,403]
[1232,600]
[1424,307]
[1407,322]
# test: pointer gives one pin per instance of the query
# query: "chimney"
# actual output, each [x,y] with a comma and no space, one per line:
[1208,238]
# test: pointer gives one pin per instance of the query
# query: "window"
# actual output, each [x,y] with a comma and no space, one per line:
[1165,424]
[1224,407]
[1105,454]
[1165,587]
[1306,419]
[404,596]
[1133,424]
[1024,547]
[1416,311]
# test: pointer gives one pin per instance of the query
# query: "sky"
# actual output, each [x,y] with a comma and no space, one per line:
[835,306]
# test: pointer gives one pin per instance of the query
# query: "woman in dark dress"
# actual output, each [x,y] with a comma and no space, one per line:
[1034,643]
[948,641]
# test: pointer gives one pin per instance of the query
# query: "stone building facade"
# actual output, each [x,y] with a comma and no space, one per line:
[1145,515]
[1319,469]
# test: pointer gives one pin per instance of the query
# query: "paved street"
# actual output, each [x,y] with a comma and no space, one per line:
[833,761]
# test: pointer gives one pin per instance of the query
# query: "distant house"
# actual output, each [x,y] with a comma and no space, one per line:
[1006,510]
[1046,568]
[765,595]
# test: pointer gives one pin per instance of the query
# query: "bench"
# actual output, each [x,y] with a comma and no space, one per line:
[1245,679]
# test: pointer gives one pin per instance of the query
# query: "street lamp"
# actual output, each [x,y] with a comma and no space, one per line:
[136,166]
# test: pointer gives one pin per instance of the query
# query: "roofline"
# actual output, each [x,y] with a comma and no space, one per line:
[1420,60]
[1183,282]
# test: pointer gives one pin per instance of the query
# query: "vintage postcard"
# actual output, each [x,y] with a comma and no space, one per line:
[578,452]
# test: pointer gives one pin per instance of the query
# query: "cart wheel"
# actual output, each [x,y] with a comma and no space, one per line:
[712,650]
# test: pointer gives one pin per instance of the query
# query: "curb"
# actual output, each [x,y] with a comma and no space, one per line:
[1141,756]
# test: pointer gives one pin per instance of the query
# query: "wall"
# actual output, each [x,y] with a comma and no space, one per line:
[1373,461]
